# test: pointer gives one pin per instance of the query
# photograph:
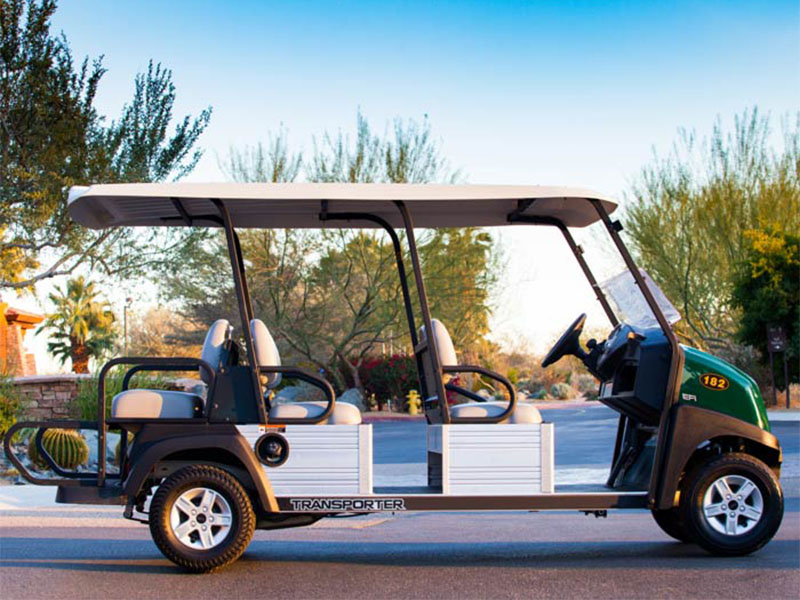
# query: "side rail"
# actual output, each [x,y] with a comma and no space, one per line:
[68,478]
[512,394]
[139,364]
[318,382]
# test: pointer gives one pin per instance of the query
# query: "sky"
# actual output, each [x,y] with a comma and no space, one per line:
[561,93]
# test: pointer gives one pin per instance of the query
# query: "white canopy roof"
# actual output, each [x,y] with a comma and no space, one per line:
[298,205]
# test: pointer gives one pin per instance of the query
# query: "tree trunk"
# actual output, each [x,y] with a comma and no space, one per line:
[79,354]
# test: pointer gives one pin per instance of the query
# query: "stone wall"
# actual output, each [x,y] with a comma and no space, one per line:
[48,396]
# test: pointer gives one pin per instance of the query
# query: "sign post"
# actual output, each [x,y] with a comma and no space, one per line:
[776,342]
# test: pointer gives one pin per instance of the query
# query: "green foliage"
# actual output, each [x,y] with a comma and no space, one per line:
[513,375]
[67,447]
[272,162]
[82,325]
[84,405]
[52,138]
[11,406]
[767,291]
[561,391]
[689,212]
[408,155]
[540,394]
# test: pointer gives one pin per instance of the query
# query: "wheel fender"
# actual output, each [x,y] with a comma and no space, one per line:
[233,443]
[690,426]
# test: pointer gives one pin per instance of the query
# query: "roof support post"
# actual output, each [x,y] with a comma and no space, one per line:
[676,361]
[245,303]
[437,384]
[577,251]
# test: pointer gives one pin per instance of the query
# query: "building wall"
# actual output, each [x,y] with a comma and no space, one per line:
[14,360]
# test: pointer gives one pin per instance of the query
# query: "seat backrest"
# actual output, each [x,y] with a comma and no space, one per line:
[444,343]
[267,354]
[214,346]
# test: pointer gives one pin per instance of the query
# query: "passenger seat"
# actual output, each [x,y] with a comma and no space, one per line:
[168,404]
[267,355]
[523,413]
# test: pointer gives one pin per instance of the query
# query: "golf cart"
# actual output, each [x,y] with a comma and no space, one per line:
[693,443]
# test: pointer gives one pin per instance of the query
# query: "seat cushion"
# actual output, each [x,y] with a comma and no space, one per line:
[444,343]
[343,413]
[523,413]
[155,404]
[214,346]
[267,354]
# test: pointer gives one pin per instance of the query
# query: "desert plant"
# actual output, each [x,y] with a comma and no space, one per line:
[561,391]
[11,405]
[539,394]
[66,446]
[84,405]
[587,386]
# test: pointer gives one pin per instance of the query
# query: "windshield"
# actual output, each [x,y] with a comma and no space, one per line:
[630,304]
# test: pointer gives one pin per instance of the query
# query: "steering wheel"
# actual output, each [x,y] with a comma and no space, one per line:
[568,343]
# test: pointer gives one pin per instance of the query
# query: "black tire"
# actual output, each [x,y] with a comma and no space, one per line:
[236,502]
[702,528]
[671,522]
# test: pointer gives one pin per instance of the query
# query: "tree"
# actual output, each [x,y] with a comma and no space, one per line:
[766,289]
[51,138]
[689,212]
[162,332]
[331,298]
[273,163]
[82,324]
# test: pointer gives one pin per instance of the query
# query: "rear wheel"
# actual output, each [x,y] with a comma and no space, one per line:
[201,518]
[671,522]
[733,505]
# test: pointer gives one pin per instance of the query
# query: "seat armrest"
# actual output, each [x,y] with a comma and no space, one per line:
[455,369]
[316,381]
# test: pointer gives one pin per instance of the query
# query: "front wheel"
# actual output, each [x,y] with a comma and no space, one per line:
[733,504]
[201,518]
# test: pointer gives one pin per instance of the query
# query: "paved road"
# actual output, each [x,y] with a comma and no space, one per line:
[73,552]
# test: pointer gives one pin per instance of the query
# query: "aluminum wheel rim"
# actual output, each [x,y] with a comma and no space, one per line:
[201,518]
[733,505]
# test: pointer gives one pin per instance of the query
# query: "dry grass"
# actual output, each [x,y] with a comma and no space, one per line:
[794,398]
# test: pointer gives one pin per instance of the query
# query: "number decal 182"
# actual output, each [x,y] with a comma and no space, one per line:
[714,381]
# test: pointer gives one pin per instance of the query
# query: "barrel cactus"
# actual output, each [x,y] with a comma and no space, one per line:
[66,446]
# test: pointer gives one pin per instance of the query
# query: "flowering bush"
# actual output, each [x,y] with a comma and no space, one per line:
[389,377]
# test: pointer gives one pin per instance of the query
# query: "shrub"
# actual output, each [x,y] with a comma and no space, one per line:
[561,391]
[539,394]
[587,386]
[84,406]
[389,376]
[11,405]
[66,446]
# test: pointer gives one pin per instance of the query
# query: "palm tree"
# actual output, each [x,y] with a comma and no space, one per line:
[82,324]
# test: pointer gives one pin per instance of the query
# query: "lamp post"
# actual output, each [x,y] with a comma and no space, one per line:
[128,302]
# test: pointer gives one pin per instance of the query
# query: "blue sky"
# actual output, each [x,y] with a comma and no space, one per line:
[518,92]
